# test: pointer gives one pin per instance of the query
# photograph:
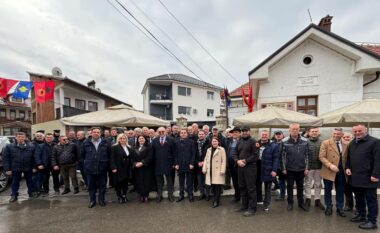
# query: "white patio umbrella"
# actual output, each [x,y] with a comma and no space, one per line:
[272,117]
[366,112]
[119,115]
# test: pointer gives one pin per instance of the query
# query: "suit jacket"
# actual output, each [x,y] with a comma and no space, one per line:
[163,156]
[328,155]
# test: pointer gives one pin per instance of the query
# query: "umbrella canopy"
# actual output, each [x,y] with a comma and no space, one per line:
[119,115]
[366,112]
[272,117]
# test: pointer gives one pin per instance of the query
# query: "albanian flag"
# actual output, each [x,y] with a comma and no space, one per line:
[5,86]
[44,91]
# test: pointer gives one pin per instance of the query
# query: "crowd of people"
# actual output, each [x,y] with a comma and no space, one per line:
[206,160]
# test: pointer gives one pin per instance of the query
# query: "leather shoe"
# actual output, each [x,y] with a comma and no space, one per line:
[171,198]
[207,197]
[102,203]
[91,204]
[13,199]
[76,190]
[328,211]
[191,199]
[303,207]
[290,207]
[358,218]
[66,191]
[368,225]
[340,213]
[124,199]
[120,200]
[215,204]
[159,199]
[180,199]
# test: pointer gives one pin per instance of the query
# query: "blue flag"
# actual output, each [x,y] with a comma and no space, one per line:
[22,90]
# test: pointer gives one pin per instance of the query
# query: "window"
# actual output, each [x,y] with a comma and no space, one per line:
[10,131]
[12,114]
[92,106]
[3,113]
[308,105]
[21,114]
[80,104]
[210,112]
[184,110]
[67,101]
[185,91]
[17,100]
[210,95]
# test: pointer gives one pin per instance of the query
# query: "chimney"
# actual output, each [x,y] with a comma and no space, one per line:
[325,23]
[91,84]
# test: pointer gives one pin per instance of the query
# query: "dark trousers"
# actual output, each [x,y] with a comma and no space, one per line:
[201,183]
[282,184]
[188,176]
[234,175]
[268,189]
[259,183]
[367,197]
[247,185]
[121,188]
[55,175]
[68,172]
[349,195]
[16,178]
[101,179]
[217,190]
[340,181]
[298,177]
[160,184]
[38,178]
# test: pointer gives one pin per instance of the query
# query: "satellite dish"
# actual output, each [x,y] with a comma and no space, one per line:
[56,71]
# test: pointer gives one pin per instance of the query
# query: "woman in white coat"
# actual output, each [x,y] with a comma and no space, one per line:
[214,167]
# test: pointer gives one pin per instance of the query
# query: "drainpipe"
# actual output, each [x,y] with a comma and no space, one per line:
[374,80]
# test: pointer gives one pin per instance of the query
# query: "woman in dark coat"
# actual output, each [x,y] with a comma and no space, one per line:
[143,168]
[121,163]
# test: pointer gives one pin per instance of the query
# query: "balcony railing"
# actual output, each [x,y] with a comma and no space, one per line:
[163,117]
[69,111]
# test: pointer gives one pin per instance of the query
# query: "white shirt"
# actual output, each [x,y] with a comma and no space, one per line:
[125,149]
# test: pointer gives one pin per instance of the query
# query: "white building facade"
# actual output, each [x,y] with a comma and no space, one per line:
[171,96]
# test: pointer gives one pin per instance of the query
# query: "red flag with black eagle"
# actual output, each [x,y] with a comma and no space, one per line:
[44,91]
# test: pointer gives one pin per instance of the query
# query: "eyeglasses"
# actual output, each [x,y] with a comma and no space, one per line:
[161,131]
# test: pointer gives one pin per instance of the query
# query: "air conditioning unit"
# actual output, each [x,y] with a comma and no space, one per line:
[195,111]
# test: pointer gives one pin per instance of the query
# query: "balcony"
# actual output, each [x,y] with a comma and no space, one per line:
[160,99]
[69,111]
[163,117]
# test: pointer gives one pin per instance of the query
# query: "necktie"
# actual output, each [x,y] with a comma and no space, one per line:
[162,141]
[340,166]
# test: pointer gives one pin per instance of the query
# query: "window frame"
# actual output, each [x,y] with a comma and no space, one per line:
[307,107]
[95,104]
[186,89]
[80,100]
[65,99]
[187,110]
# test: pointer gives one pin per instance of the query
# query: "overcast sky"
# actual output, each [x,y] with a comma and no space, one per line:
[89,39]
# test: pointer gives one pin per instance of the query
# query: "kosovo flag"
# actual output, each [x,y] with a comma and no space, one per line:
[22,90]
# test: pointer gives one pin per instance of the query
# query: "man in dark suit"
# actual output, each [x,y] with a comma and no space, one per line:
[363,169]
[184,164]
[163,154]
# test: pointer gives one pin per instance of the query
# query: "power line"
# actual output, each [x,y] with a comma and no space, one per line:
[198,42]
[171,39]
[162,46]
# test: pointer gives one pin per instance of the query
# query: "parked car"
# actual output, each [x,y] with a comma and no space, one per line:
[4,179]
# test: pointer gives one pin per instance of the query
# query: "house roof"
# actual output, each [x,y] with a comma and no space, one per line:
[237,92]
[91,90]
[375,48]
[183,79]
[335,36]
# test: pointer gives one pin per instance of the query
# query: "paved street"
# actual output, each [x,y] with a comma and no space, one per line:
[70,214]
